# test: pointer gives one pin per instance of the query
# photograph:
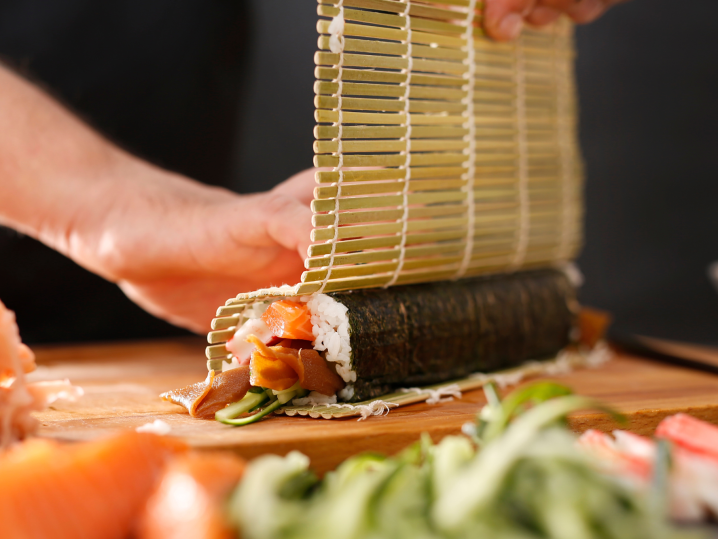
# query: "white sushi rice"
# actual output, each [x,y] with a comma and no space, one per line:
[330,325]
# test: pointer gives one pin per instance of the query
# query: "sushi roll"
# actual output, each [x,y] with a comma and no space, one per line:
[377,340]
[355,345]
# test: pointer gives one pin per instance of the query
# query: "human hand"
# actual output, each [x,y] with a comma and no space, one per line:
[176,247]
[180,249]
[503,19]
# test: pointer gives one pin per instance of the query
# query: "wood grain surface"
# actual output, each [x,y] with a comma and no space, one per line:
[122,381]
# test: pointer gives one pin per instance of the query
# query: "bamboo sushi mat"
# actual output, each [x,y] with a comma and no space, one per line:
[445,154]
[450,155]
[563,363]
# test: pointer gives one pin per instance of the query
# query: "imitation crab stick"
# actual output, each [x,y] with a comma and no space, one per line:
[615,456]
[289,320]
[690,433]
[280,367]
[238,345]
[86,491]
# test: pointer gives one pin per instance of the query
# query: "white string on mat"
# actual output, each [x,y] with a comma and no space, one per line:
[442,394]
[336,44]
[469,124]
[522,158]
[564,147]
[377,407]
[407,151]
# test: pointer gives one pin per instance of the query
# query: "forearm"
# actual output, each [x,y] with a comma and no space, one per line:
[52,166]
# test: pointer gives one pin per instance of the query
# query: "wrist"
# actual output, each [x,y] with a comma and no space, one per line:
[105,202]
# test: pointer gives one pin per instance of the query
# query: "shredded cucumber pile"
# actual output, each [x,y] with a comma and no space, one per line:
[519,475]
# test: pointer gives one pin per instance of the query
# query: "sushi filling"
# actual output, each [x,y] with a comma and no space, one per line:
[310,329]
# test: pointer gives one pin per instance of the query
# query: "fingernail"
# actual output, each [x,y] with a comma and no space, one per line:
[511,25]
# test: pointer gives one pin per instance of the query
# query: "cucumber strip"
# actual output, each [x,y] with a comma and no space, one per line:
[250,401]
[259,415]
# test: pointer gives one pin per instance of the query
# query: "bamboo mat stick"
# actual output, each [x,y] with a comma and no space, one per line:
[390,6]
[538,83]
[396,21]
[499,132]
[489,92]
[421,237]
[431,39]
[546,146]
[422,52]
[541,251]
[542,192]
[433,158]
[400,118]
[536,180]
[377,229]
[454,203]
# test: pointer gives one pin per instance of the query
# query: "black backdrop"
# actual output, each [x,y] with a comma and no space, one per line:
[648,82]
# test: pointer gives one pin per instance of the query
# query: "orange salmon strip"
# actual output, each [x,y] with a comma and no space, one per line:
[271,372]
[306,366]
[91,491]
[289,320]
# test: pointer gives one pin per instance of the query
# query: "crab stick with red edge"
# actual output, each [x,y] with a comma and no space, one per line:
[238,345]
[690,433]
[615,456]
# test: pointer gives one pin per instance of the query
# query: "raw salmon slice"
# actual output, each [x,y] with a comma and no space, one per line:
[289,320]
[87,491]
[205,480]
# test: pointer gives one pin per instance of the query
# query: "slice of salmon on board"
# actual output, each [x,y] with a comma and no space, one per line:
[85,491]
[205,479]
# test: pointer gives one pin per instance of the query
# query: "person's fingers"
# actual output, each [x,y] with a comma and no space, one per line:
[286,220]
[191,308]
[586,10]
[300,186]
[503,19]
[581,11]
[542,15]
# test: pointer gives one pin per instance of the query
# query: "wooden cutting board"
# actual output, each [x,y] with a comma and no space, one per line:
[122,381]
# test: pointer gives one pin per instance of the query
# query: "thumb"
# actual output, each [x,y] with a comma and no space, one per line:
[287,221]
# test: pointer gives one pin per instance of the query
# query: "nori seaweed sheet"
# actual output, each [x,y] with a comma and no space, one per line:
[429,333]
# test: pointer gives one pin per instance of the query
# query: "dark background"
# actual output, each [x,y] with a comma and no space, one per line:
[648,83]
